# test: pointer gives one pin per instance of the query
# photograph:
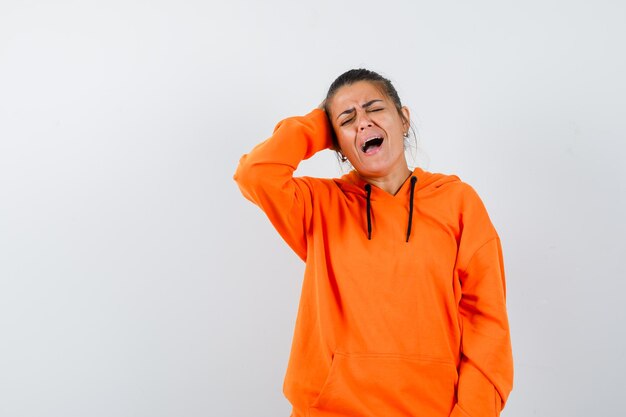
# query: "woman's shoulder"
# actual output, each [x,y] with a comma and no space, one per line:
[318,184]
[440,181]
[451,188]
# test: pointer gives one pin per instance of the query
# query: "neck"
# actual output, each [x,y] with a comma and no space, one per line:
[391,183]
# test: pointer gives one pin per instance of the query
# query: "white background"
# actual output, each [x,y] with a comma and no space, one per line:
[135,280]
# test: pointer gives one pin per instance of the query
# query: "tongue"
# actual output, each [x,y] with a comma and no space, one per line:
[372,146]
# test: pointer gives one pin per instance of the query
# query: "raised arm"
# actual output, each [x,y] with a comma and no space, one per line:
[265,175]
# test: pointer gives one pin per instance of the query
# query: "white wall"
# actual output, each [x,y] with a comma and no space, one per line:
[135,280]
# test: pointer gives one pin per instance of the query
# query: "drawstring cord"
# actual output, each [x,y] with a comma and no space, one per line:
[408,231]
[368,188]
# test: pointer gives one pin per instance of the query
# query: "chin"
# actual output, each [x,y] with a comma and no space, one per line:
[374,170]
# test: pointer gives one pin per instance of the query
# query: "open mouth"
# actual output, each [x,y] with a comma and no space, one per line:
[371,145]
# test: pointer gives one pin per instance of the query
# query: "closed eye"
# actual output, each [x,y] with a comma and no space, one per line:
[345,122]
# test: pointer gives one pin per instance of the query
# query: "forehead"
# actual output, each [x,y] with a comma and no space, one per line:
[355,94]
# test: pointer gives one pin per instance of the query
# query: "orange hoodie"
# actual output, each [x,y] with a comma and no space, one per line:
[402,312]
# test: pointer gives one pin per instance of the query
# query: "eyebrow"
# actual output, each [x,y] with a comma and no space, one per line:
[364,106]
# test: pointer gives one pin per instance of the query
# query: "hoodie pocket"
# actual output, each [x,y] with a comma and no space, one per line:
[389,385]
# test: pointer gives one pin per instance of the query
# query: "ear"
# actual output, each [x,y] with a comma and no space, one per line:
[407,117]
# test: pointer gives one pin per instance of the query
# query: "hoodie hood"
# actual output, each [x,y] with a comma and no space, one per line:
[419,181]
[426,182]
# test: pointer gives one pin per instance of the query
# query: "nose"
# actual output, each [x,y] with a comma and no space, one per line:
[364,122]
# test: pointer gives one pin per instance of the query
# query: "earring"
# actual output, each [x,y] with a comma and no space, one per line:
[406,134]
[343,157]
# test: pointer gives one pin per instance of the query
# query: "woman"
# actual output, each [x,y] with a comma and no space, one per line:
[402,311]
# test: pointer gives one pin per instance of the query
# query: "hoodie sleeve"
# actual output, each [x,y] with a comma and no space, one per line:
[486,368]
[265,175]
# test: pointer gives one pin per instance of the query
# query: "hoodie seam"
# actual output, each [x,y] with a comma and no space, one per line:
[469,262]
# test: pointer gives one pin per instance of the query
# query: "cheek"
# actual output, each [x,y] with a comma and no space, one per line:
[344,139]
[393,126]
[389,122]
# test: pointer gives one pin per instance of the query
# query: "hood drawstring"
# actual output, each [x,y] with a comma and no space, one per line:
[368,188]
[408,231]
